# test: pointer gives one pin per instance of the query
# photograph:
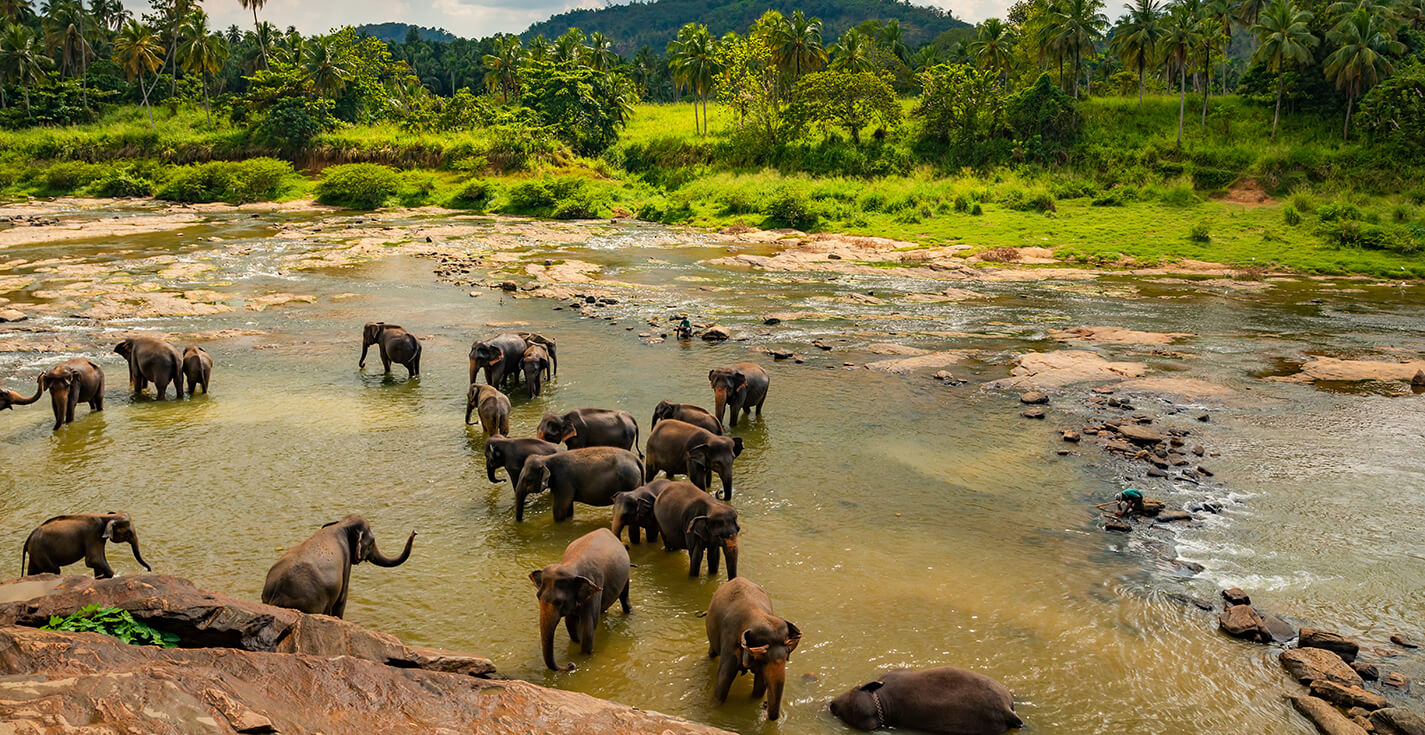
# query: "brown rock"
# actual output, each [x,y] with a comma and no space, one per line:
[1071,436]
[1033,397]
[1311,664]
[1399,639]
[1334,642]
[1033,413]
[1114,524]
[1397,721]
[1326,718]
[1280,630]
[1369,672]
[1396,680]
[1139,434]
[1344,696]
[716,333]
[1418,379]
[1242,621]
[1173,516]
[12,315]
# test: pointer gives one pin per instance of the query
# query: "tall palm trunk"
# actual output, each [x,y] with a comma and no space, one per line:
[1076,72]
[1207,83]
[1141,64]
[146,106]
[1346,128]
[207,111]
[257,26]
[1277,115]
[1182,99]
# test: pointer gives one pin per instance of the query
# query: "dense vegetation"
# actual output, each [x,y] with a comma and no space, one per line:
[115,622]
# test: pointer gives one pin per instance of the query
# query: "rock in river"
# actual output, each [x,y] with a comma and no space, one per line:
[1242,621]
[1235,596]
[1348,697]
[1327,719]
[716,333]
[1033,397]
[1334,642]
[1397,721]
[1139,434]
[1310,664]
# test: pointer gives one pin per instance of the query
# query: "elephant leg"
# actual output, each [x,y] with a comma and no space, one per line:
[72,404]
[572,623]
[563,509]
[726,672]
[650,471]
[505,425]
[587,621]
[339,607]
[759,684]
[695,559]
[633,535]
[651,532]
[101,568]
[712,560]
[519,503]
[623,599]
[415,366]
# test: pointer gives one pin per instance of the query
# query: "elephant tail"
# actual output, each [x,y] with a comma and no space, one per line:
[636,448]
[25,550]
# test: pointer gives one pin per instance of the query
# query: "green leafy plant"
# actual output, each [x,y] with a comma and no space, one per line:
[1200,233]
[115,622]
[358,185]
[1291,215]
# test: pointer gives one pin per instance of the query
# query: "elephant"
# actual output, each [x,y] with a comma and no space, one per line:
[394,344]
[67,539]
[746,634]
[691,519]
[197,368]
[942,700]
[533,364]
[493,408]
[592,574]
[686,412]
[500,357]
[739,388]
[677,447]
[315,575]
[591,476]
[152,359]
[634,510]
[68,383]
[502,451]
[591,427]
[531,339]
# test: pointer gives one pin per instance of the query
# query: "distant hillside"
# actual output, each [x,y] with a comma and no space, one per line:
[396,32]
[657,23]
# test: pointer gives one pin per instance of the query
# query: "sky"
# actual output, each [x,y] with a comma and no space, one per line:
[469,18]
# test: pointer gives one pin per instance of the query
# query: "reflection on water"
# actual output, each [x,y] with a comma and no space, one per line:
[896,521]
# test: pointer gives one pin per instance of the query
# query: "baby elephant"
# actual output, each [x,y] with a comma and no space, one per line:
[739,388]
[502,451]
[152,359]
[492,406]
[691,519]
[534,364]
[197,367]
[695,415]
[394,344]
[590,427]
[592,574]
[634,511]
[677,447]
[745,636]
[315,575]
[67,539]
[68,383]
[942,700]
[591,476]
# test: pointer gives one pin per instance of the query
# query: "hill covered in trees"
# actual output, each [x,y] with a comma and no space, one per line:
[397,32]
[654,24]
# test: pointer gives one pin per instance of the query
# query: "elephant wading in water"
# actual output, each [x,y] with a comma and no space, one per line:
[941,700]
[394,344]
[634,511]
[197,368]
[68,383]
[502,451]
[500,358]
[67,539]
[591,476]
[691,519]
[739,388]
[591,427]
[592,574]
[314,576]
[688,413]
[492,406]
[745,636]
[534,364]
[676,447]
[152,360]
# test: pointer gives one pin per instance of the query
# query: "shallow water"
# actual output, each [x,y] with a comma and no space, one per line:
[896,521]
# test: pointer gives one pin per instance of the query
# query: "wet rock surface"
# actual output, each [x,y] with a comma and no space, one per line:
[1312,664]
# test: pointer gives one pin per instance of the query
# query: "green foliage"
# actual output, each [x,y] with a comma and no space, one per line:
[124,181]
[358,185]
[787,207]
[1291,216]
[1339,211]
[960,106]
[286,110]
[1045,121]
[115,622]
[1200,233]
[1406,239]
[70,176]
[235,182]
[475,194]
[560,197]
[851,101]
[585,107]
[1393,113]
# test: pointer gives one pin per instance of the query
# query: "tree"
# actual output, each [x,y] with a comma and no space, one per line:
[993,47]
[584,106]
[204,54]
[502,67]
[65,24]
[894,40]
[256,5]
[1137,37]
[1076,25]
[24,59]
[1361,57]
[1182,35]
[852,53]
[959,105]
[1283,39]
[324,70]
[15,11]
[1393,114]
[750,83]
[138,53]
[695,65]
[1222,13]
[599,54]
[797,45]
[845,99]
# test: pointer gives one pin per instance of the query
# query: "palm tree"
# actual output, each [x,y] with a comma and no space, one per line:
[797,45]
[24,58]
[1223,12]
[15,11]
[1182,35]
[1076,25]
[65,23]
[538,48]
[569,47]
[894,41]
[1211,36]
[324,70]
[502,67]
[852,53]
[204,54]
[256,5]
[109,15]
[1137,37]
[1363,44]
[993,47]
[695,65]
[264,41]
[1282,38]
[138,52]
[599,53]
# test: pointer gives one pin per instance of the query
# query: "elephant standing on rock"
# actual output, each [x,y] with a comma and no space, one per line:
[68,383]
[502,451]
[590,476]
[747,636]
[691,519]
[739,388]
[634,510]
[493,408]
[686,412]
[197,368]
[677,447]
[152,359]
[500,357]
[941,700]
[592,574]
[67,539]
[591,427]
[394,344]
[533,364]
[315,575]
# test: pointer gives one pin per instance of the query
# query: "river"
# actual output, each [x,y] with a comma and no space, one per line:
[897,520]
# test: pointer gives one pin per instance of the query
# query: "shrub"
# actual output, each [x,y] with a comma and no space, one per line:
[69,176]
[358,185]
[1212,179]
[1200,233]
[1045,119]
[476,194]
[977,210]
[1333,211]
[1039,201]
[874,202]
[1393,114]
[561,197]
[962,203]
[124,181]
[1178,195]
[1291,216]
[115,622]
[253,180]
[789,208]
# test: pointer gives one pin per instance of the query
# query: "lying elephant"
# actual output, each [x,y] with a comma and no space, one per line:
[941,700]
[590,476]
[676,447]
[745,635]
[68,383]
[691,519]
[197,368]
[590,427]
[686,412]
[634,510]
[492,406]
[592,574]
[67,539]
[152,359]
[499,356]
[739,388]
[502,451]
[315,575]
[394,344]
[535,366]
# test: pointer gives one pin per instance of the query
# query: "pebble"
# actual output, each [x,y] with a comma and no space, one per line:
[1396,680]
[1033,413]
[1114,524]
[1033,397]
[476,295]
[1071,436]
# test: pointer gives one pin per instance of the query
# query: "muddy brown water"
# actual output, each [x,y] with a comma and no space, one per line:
[895,520]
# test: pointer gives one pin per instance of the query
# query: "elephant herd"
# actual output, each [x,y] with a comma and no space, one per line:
[589,456]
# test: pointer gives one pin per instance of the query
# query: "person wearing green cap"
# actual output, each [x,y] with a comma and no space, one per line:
[1129,501]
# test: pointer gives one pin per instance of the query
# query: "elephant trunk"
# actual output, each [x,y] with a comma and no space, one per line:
[726,485]
[775,673]
[548,621]
[18,400]
[59,401]
[729,551]
[365,345]
[489,466]
[469,407]
[720,401]
[134,545]
[381,560]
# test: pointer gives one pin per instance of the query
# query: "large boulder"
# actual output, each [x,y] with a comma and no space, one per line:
[1327,719]
[1334,642]
[1242,621]
[1311,664]
[1397,721]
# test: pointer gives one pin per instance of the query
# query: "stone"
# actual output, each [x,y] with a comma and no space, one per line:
[1396,680]
[1334,642]
[1139,434]
[1203,417]
[1152,506]
[1033,397]
[771,320]
[1280,631]
[1191,601]
[1033,413]
[1116,336]
[1204,471]
[1344,696]
[1311,664]
[1397,721]
[1242,621]
[1071,436]
[1401,640]
[1326,718]
[1044,370]
[12,315]
[1173,516]
[1235,596]
[716,333]
[1330,369]
[476,295]
[1369,672]
[1418,379]
[1114,524]
[509,286]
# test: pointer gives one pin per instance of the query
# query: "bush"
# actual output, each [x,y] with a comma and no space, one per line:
[789,208]
[1200,233]
[124,181]
[70,176]
[1045,120]
[1404,239]
[1393,114]
[358,185]
[476,194]
[253,180]
[115,622]
[977,210]
[1039,201]
[1334,211]
[1178,195]
[1291,216]
[561,197]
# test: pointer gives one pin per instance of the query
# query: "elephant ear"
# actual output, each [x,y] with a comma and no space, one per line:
[871,686]
[587,588]
[573,426]
[499,355]
[696,456]
[108,533]
[794,636]
[544,477]
[358,537]
[698,528]
[751,650]
[737,446]
[712,377]
[537,576]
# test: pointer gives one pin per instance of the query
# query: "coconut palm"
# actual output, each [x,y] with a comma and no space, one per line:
[796,45]
[502,67]
[256,5]
[1075,26]
[993,47]
[23,58]
[1222,13]
[65,24]
[1181,37]
[695,65]
[263,39]
[852,53]
[324,69]
[1137,36]
[1363,47]
[599,53]
[1283,39]
[538,48]
[893,39]
[15,11]
[138,52]
[568,48]
[109,15]
[204,54]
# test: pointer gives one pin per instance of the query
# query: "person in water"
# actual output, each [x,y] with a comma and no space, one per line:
[684,329]
[1130,502]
